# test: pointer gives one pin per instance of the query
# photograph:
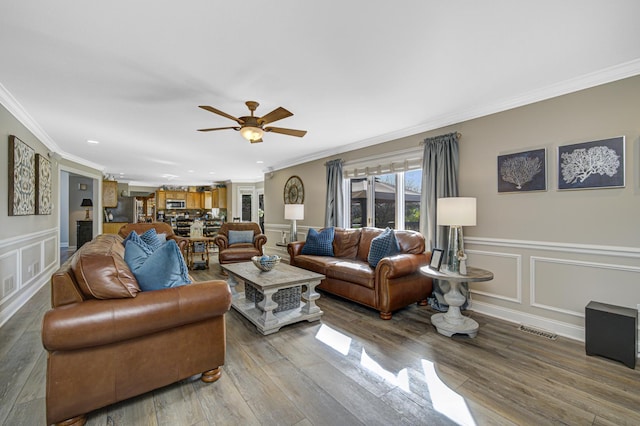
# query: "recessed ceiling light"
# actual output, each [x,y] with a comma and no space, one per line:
[190,171]
[212,173]
[93,142]
[259,162]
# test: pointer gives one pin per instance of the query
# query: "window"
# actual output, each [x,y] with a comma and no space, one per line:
[412,191]
[375,200]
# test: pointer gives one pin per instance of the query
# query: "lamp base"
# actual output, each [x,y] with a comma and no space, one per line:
[293,235]
[455,249]
[86,216]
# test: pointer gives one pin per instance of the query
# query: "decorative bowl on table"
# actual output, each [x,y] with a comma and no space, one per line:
[265,263]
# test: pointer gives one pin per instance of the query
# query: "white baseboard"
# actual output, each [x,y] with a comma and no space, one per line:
[560,328]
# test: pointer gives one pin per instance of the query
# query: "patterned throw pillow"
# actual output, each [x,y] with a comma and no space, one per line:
[163,268]
[319,243]
[383,245]
[134,238]
[151,238]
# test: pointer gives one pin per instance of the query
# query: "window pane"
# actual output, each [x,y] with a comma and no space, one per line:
[412,191]
[358,202]
[385,201]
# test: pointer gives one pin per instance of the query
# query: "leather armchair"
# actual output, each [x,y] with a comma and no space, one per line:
[161,228]
[239,252]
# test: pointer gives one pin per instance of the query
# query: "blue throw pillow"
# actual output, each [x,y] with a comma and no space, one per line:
[383,245]
[163,268]
[134,238]
[151,238]
[319,243]
[236,237]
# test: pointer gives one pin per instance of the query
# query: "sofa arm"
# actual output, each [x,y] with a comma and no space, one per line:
[259,241]
[294,249]
[99,322]
[221,241]
[181,241]
[401,264]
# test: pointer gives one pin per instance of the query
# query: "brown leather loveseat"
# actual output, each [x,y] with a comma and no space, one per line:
[395,282]
[107,341]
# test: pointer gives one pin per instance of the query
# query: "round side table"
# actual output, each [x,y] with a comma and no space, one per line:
[453,322]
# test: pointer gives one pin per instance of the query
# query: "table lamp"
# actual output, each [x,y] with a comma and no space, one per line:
[455,213]
[86,202]
[294,212]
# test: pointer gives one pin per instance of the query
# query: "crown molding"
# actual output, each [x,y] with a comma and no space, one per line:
[585,81]
[17,110]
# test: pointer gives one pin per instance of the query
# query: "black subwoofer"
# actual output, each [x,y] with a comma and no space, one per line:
[612,332]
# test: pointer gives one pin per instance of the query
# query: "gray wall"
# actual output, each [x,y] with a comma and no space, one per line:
[551,252]
[28,244]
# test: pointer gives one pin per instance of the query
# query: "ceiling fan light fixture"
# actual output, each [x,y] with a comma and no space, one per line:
[252,134]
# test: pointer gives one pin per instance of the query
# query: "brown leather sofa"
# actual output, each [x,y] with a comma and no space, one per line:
[395,283]
[160,227]
[239,252]
[107,341]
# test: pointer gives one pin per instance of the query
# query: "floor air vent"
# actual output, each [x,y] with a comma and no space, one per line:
[537,332]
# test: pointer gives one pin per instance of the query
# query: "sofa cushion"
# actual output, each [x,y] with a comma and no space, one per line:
[352,271]
[150,237]
[163,268]
[383,245]
[319,264]
[366,235]
[236,237]
[345,242]
[319,243]
[101,271]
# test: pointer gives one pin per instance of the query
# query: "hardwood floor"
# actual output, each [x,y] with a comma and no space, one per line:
[353,368]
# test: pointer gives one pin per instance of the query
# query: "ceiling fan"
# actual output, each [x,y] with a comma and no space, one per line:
[251,127]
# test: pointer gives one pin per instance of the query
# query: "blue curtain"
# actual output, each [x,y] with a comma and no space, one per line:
[440,163]
[333,214]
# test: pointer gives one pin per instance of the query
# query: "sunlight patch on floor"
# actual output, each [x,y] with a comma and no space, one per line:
[445,400]
[334,339]
[401,380]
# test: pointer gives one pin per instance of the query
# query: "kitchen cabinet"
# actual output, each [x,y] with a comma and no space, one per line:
[194,200]
[161,199]
[109,193]
[207,200]
[112,227]
[219,198]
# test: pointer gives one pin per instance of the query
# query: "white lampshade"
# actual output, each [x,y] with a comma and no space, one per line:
[456,211]
[252,134]
[294,211]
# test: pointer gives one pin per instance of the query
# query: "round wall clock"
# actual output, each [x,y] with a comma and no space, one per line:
[294,191]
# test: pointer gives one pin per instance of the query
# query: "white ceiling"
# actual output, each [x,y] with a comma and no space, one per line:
[131,74]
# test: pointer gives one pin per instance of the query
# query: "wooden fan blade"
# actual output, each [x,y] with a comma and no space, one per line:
[275,115]
[290,132]
[218,128]
[224,114]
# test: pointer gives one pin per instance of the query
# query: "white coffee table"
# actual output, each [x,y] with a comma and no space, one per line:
[453,322]
[282,277]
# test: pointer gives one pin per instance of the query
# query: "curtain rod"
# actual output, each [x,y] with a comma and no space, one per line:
[458,135]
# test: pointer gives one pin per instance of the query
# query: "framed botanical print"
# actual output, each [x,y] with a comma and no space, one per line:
[592,165]
[22,178]
[43,185]
[523,171]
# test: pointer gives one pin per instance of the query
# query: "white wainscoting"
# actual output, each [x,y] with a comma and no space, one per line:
[27,261]
[553,281]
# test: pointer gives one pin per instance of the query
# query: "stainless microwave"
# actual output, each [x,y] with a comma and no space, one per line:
[176,204]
